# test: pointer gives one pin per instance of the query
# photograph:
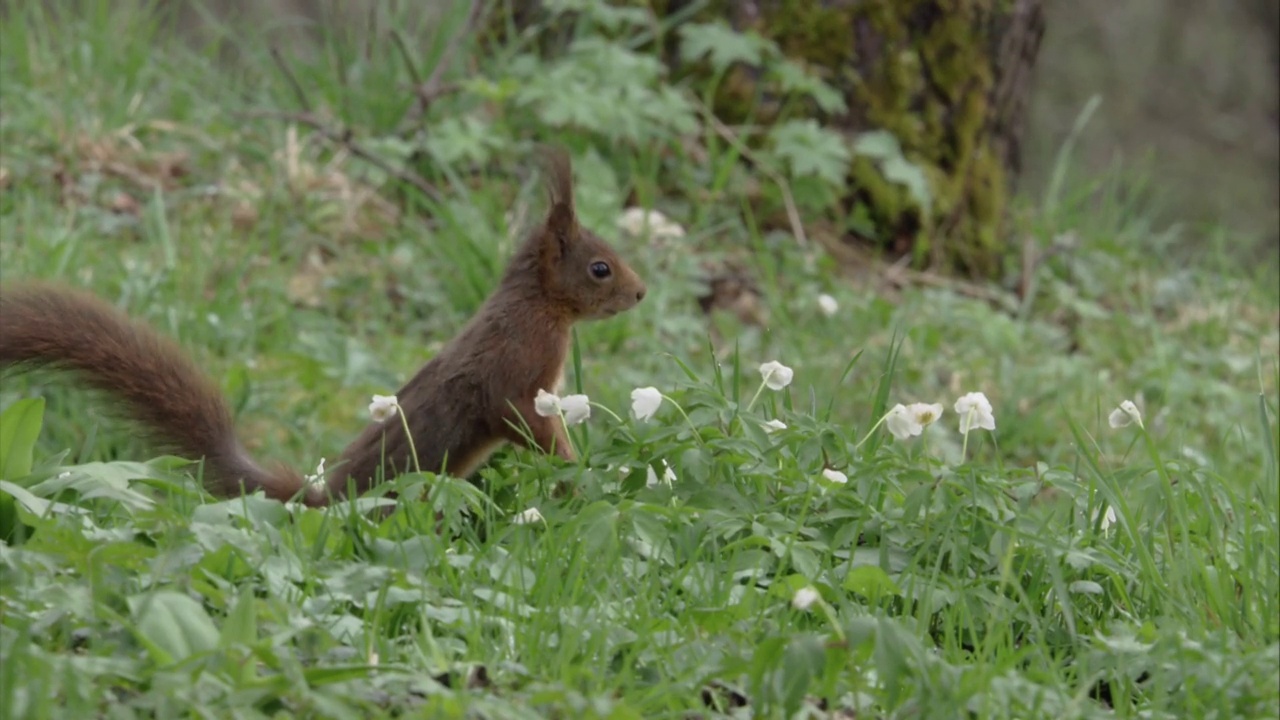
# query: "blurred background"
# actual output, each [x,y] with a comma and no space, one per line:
[1188,94]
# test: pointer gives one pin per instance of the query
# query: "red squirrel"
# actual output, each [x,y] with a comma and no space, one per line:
[476,394]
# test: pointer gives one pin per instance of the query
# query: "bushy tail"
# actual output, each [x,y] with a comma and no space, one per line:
[156,384]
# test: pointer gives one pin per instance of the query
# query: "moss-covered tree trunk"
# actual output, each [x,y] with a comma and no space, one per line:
[949,78]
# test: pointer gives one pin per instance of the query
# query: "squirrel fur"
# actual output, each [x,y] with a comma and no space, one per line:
[464,403]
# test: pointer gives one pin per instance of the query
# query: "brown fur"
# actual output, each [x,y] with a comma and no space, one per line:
[461,406]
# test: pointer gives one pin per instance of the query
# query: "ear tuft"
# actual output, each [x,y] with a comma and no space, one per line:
[559,175]
[562,221]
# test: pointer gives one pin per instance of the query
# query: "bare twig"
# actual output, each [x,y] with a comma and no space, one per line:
[397,39]
[903,276]
[441,89]
[793,214]
[293,79]
[429,91]
[344,139]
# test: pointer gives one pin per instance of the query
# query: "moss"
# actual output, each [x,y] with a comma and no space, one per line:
[927,81]
[919,68]
[930,88]
[806,30]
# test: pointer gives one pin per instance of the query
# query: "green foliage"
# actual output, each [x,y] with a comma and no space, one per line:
[810,151]
[19,428]
[722,46]
[1057,567]
[883,147]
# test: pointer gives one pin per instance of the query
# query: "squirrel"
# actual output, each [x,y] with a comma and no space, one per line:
[476,394]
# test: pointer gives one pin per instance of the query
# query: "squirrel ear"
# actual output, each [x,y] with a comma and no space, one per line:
[561,228]
[559,175]
[562,221]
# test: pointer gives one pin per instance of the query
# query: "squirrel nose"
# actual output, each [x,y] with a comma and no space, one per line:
[640,294]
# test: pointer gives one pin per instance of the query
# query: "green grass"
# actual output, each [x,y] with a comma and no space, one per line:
[956,576]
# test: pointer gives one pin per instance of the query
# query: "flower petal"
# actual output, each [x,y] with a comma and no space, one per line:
[835,476]
[526,517]
[577,408]
[804,598]
[546,404]
[776,375]
[383,407]
[645,402]
[975,411]
[773,426]
[925,414]
[901,423]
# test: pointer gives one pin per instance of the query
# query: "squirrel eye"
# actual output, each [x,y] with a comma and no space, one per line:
[601,270]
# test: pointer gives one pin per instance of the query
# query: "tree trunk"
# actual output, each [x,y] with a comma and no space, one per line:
[949,78]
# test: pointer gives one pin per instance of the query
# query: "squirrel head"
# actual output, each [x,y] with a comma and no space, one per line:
[578,271]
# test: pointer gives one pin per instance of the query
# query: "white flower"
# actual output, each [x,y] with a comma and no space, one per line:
[645,402]
[773,426]
[906,421]
[926,413]
[1108,518]
[804,598]
[316,478]
[527,517]
[1126,414]
[546,404]
[776,375]
[901,423]
[383,407]
[975,411]
[835,476]
[635,220]
[577,408]
[651,477]
[828,305]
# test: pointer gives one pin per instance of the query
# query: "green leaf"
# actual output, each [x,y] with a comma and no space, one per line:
[793,78]
[802,661]
[652,533]
[9,516]
[36,505]
[722,45]
[870,582]
[241,626]
[1268,437]
[1088,587]
[893,650]
[878,145]
[174,626]
[598,528]
[804,560]
[909,175]
[462,139]
[102,480]
[811,150]
[883,147]
[19,428]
